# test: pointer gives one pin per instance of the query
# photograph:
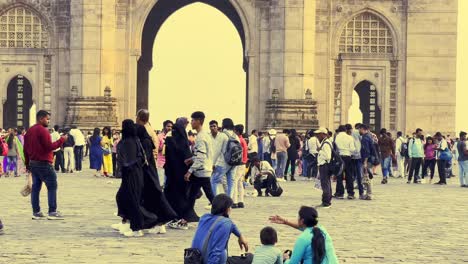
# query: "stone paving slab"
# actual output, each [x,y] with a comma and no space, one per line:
[404,224]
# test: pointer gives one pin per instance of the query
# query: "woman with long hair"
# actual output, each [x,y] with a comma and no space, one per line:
[153,198]
[314,245]
[293,154]
[95,152]
[13,152]
[106,144]
[429,158]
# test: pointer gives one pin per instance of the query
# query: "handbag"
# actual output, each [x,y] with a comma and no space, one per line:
[446,155]
[27,189]
[194,255]
[106,151]
[246,258]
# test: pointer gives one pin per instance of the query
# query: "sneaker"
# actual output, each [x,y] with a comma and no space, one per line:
[38,216]
[55,216]
[162,229]
[240,205]
[365,197]
[131,233]
[116,226]
[124,227]
[351,197]
[293,179]
[325,206]
[280,179]
[178,225]
[340,197]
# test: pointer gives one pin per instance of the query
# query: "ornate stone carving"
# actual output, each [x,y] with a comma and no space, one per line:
[86,112]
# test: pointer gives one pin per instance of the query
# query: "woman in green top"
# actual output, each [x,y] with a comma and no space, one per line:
[314,245]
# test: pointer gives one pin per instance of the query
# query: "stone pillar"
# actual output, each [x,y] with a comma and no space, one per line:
[308,49]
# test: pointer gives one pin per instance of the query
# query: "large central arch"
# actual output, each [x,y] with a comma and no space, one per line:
[161,11]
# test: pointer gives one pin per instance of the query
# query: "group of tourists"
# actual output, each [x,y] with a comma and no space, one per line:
[11,148]
[163,174]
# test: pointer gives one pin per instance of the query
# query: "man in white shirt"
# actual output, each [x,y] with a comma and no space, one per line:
[78,148]
[221,168]
[264,176]
[323,159]
[266,148]
[345,147]
[217,145]
[401,147]
[311,146]
[253,145]
[441,163]
[58,153]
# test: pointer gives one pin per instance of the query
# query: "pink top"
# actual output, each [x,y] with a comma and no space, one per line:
[244,149]
[161,158]
[429,151]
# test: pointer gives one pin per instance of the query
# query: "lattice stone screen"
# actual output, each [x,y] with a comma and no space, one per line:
[22,28]
[366,33]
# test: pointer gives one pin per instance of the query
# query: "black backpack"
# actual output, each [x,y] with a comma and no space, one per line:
[336,164]
[404,149]
[272,145]
[276,192]
[233,154]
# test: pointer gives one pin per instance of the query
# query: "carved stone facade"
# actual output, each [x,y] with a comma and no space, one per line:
[400,49]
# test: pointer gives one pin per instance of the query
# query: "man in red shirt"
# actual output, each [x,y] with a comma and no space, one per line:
[38,153]
[238,193]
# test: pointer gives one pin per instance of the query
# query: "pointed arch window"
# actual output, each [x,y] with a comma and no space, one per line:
[366,33]
[20,27]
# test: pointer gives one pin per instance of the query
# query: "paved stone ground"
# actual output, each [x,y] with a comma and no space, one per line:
[404,224]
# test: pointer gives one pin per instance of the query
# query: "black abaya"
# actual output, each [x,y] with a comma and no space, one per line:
[153,198]
[130,192]
[177,189]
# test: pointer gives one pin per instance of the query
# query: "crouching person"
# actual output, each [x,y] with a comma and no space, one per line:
[264,176]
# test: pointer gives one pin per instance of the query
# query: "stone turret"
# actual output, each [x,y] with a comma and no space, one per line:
[89,112]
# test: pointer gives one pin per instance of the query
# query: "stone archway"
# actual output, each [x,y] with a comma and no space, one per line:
[159,13]
[371,112]
[19,101]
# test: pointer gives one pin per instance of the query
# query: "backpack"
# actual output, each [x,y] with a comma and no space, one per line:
[374,157]
[233,154]
[272,145]
[336,164]
[276,192]
[404,149]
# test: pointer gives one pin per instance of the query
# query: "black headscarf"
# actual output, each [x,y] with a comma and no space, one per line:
[128,129]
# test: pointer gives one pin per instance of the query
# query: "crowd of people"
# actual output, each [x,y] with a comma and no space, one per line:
[164,172]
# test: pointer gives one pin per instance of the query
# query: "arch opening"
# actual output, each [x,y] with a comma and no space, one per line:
[160,12]
[368,105]
[16,109]
[199,59]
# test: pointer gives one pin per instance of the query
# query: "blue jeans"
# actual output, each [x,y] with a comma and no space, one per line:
[267,157]
[281,159]
[304,168]
[357,166]
[217,178]
[463,165]
[43,173]
[12,164]
[386,166]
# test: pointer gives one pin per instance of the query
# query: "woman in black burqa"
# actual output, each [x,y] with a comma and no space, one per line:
[131,159]
[178,156]
[153,198]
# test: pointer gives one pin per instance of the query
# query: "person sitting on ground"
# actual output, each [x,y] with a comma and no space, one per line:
[268,253]
[314,245]
[264,176]
[215,229]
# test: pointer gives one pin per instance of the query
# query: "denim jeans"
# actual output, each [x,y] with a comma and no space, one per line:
[217,178]
[463,165]
[12,164]
[281,159]
[78,151]
[357,166]
[386,166]
[43,173]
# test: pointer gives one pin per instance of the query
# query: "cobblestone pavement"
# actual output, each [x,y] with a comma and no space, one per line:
[404,224]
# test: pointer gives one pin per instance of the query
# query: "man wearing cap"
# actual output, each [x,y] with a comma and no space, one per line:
[323,159]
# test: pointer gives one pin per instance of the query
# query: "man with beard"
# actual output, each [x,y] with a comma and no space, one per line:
[39,156]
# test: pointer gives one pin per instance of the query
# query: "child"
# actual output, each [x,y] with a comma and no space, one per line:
[268,253]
